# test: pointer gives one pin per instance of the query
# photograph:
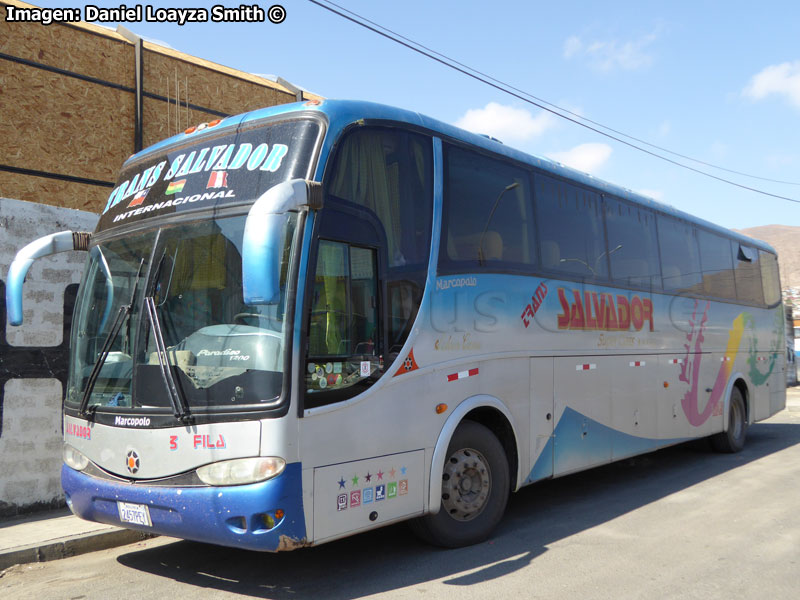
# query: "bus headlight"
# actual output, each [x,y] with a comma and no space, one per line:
[74,459]
[241,470]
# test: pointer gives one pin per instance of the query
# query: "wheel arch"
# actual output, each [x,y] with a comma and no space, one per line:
[738,381]
[492,414]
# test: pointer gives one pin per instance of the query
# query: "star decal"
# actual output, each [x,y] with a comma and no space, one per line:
[368,476]
[403,470]
[355,480]
[392,472]
[341,483]
[380,475]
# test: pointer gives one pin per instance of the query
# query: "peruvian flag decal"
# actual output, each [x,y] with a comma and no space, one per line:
[218,179]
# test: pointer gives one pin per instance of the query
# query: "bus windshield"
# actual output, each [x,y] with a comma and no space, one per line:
[184,286]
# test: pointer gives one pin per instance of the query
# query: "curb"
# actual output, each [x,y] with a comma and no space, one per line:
[70,546]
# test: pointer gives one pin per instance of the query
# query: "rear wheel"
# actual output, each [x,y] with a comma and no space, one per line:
[475,489]
[733,439]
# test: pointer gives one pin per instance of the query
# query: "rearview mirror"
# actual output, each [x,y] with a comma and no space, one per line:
[265,233]
[54,243]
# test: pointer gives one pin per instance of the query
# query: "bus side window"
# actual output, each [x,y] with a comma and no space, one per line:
[382,179]
[769,278]
[716,260]
[680,260]
[748,274]
[487,222]
[632,245]
[571,227]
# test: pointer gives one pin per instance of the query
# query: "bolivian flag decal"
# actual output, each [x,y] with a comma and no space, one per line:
[175,187]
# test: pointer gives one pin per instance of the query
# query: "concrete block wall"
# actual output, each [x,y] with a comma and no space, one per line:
[33,357]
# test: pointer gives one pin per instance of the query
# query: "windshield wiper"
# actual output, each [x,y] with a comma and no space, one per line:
[179,406]
[124,311]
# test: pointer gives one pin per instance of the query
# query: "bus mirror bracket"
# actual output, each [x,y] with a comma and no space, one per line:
[54,243]
[263,242]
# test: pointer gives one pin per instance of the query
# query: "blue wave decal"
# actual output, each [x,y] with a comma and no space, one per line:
[579,441]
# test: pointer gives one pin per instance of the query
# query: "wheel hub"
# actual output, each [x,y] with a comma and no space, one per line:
[466,484]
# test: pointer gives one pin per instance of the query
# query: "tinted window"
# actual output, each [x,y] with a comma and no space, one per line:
[770,278]
[632,244]
[488,218]
[388,175]
[716,262]
[748,274]
[571,229]
[680,261]
[343,330]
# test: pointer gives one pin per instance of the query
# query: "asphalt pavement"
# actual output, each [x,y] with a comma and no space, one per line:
[60,534]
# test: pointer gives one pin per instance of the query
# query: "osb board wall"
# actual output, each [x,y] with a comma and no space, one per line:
[63,125]
[58,124]
[54,192]
[157,126]
[69,48]
[206,87]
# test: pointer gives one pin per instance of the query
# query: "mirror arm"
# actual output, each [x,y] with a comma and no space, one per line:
[54,243]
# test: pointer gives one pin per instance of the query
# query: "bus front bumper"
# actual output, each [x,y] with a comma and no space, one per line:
[265,516]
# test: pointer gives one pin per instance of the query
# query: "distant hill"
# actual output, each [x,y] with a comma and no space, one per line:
[786,240]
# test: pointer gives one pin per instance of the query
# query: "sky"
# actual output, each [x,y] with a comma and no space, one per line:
[715,81]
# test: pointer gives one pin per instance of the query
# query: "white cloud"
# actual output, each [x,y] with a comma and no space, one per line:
[782,79]
[611,54]
[782,161]
[585,157]
[572,46]
[506,123]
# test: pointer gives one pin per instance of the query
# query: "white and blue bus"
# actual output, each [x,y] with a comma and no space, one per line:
[317,319]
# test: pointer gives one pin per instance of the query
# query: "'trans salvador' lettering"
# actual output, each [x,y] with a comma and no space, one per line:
[603,312]
[225,157]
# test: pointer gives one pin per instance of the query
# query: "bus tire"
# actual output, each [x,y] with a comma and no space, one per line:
[475,490]
[733,439]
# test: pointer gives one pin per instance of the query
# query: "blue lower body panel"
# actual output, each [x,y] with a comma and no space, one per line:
[579,442]
[242,516]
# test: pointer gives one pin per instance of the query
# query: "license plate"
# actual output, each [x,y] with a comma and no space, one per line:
[137,514]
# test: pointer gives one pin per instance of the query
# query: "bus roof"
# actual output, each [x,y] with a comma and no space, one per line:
[340,114]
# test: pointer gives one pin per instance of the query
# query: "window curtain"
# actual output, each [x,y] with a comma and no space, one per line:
[363,177]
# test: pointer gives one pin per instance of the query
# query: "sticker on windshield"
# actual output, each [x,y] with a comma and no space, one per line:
[174,202]
[217,179]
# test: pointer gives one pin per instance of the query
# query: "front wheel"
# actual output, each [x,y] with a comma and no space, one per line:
[733,439]
[475,489]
